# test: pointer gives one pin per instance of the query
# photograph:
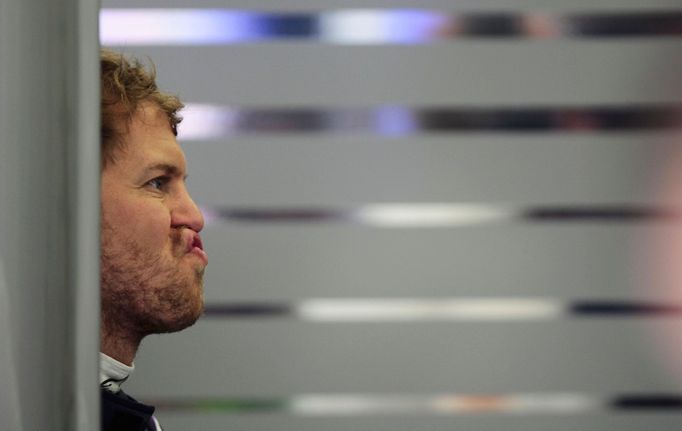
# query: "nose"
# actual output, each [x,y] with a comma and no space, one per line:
[185,212]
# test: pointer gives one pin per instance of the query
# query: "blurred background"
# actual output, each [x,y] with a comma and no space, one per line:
[422,215]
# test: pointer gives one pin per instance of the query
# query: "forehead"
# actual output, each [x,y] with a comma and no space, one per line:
[149,141]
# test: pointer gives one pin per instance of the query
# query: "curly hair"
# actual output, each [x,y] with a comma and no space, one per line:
[125,85]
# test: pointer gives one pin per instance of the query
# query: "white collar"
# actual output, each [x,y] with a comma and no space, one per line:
[113,373]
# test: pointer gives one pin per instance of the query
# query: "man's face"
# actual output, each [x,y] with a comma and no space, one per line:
[152,258]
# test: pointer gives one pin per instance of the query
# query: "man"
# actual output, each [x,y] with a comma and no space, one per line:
[152,258]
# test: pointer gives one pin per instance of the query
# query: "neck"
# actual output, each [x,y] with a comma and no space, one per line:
[118,343]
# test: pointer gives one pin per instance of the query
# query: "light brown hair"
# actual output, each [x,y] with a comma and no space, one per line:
[125,84]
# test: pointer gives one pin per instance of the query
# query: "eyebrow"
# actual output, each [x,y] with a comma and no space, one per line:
[166,168]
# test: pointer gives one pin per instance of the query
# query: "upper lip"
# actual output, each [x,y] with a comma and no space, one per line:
[194,240]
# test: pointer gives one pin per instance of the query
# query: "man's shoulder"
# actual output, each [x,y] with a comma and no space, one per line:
[121,412]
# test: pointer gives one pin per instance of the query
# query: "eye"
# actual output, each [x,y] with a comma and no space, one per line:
[158,183]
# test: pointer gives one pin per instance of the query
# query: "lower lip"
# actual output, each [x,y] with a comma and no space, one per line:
[201,254]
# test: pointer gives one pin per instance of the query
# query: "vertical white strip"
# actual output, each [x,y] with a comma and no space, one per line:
[10,419]
[83,194]
[49,171]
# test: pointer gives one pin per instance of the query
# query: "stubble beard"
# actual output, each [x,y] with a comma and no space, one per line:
[144,294]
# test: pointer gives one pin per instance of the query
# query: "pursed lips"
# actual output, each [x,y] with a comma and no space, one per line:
[196,247]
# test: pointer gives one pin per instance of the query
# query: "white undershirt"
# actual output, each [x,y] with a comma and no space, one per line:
[113,373]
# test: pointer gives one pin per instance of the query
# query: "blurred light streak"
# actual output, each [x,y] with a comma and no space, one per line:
[625,308]
[202,122]
[443,215]
[211,216]
[206,122]
[433,309]
[357,404]
[483,309]
[368,26]
[454,404]
[516,404]
[214,122]
[431,215]
[395,121]
[249,310]
[177,26]
[651,402]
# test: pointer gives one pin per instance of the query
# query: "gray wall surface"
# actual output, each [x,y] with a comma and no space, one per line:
[49,176]
[293,142]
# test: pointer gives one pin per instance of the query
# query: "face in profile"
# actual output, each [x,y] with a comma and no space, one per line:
[152,259]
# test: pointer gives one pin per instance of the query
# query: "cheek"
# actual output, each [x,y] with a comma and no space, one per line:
[146,224]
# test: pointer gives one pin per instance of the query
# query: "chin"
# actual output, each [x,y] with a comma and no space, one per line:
[194,311]
[180,312]
[178,322]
